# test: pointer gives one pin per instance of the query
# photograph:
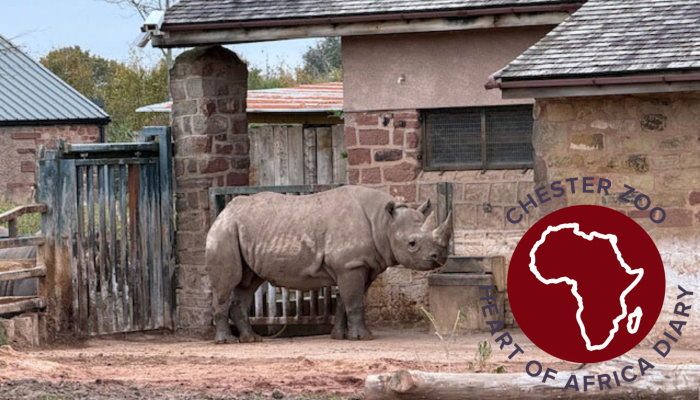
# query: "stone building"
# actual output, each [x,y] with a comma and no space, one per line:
[624,105]
[417,112]
[402,61]
[36,108]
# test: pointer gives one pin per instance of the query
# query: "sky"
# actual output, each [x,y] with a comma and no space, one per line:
[108,30]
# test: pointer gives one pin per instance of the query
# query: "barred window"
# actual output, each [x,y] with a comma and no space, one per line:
[478,138]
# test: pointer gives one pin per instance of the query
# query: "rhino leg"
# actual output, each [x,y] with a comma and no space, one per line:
[340,328]
[225,268]
[240,306]
[351,285]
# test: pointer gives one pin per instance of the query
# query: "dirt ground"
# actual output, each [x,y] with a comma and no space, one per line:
[167,366]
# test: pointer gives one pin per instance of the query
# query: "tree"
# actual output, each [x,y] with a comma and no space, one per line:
[323,62]
[87,73]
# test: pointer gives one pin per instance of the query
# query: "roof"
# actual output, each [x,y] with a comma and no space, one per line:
[612,38]
[31,93]
[218,11]
[320,97]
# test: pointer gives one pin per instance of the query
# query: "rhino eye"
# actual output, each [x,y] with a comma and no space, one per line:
[412,244]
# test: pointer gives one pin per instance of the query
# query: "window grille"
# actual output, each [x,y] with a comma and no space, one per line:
[478,138]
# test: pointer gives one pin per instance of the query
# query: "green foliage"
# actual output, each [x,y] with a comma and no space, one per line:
[123,87]
[483,353]
[28,224]
[323,62]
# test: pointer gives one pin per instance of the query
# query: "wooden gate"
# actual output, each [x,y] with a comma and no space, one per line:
[116,230]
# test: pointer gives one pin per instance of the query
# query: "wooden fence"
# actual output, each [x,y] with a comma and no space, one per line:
[284,155]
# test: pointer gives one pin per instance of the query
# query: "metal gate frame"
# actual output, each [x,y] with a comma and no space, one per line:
[94,192]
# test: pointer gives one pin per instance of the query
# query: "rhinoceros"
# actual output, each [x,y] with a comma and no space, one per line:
[345,237]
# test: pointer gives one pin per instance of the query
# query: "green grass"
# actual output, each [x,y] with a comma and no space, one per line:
[28,224]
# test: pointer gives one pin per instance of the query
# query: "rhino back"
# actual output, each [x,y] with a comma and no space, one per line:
[302,241]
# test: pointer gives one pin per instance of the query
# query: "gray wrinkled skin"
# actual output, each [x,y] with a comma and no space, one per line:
[345,237]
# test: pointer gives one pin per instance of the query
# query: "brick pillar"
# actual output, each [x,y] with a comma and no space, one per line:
[383,151]
[208,86]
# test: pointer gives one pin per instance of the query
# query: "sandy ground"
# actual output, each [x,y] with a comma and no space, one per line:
[166,366]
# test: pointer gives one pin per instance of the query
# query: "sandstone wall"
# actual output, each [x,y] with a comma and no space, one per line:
[18,154]
[211,145]
[651,143]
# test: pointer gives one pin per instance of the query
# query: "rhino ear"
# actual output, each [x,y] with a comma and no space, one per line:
[425,208]
[390,208]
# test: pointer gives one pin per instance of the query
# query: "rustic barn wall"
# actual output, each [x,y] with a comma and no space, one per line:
[650,143]
[282,155]
[18,154]
[208,86]
[383,152]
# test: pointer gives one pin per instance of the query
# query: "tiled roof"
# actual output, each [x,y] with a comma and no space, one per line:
[210,11]
[619,37]
[31,93]
[320,97]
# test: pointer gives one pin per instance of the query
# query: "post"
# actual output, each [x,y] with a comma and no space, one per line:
[208,86]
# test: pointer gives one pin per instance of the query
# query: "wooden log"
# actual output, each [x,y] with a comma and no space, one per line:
[500,273]
[663,381]
[16,265]
[37,271]
[25,241]
[19,306]
[22,210]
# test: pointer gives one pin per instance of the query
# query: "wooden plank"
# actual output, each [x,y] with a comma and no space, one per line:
[117,161]
[324,155]
[167,224]
[271,300]
[318,320]
[110,148]
[310,170]
[285,302]
[103,252]
[22,210]
[124,248]
[266,166]
[36,303]
[340,161]
[82,289]
[255,155]
[12,230]
[328,301]
[92,266]
[157,276]
[313,303]
[281,155]
[135,245]
[65,269]
[24,241]
[146,253]
[295,145]
[259,301]
[114,265]
[16,265]
[23,273]
[299,303]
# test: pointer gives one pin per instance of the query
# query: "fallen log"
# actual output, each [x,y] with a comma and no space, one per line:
[663,381]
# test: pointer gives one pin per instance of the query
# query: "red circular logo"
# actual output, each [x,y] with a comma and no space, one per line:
[586,284]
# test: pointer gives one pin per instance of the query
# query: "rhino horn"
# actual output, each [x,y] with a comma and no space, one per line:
[430,223]
[443,232]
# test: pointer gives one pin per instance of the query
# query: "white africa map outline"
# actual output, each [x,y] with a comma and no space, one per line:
[636,315]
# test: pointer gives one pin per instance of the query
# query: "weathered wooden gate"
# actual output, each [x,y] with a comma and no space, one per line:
[115,229]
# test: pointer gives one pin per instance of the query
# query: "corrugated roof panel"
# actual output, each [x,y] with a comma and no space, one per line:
[620,37]
[320,97]
[209,11]
[31,93]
